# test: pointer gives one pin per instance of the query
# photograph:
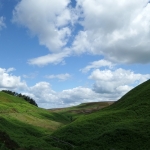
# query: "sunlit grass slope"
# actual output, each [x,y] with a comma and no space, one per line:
[26,125]
[125,125]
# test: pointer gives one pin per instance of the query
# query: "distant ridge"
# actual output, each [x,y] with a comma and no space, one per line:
[92,105]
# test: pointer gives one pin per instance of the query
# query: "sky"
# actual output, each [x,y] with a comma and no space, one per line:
[65,52]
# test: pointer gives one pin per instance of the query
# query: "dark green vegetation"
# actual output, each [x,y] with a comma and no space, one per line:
[26,126]
[124,125]
[26,98]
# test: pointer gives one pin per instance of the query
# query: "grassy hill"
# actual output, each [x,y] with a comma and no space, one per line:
[125,125]
[25,125]
[81,110]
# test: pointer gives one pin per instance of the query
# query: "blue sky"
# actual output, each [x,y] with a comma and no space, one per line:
[63,53]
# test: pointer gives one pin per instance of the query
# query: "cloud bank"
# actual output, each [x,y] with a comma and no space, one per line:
[117,81]
[120,34]
[108,85]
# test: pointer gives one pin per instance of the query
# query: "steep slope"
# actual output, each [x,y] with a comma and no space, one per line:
[25,124]
[123,125]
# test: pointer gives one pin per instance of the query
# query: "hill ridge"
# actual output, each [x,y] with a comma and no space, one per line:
[123,125]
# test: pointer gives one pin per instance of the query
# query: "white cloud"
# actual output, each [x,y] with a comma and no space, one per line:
[97,64]
[78,95]
[116,81]
[46,19]
[109,85]
[47,98]
[10,70]
[44,95]
[61,77]
[43,92]
[81,44]
[49,59]
[120,34]
[9,81]
[2,24]
[52,22]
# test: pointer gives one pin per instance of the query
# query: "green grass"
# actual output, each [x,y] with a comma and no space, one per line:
[123,125]
[26,124]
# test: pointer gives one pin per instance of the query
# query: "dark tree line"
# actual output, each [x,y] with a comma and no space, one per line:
[25,97]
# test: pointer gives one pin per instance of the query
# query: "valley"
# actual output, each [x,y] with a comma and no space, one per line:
[119,125]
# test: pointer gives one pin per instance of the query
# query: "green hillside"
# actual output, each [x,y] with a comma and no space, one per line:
[25,125]
[81,110]
[125,125]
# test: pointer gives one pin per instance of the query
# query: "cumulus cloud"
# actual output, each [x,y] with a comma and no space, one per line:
[50,22]
[108,85]
[2,24]
[97,64]
[79,95]
[61,77]
[120,34]
[45,19]
[9,81]
[48,98]
[42,92]
[116,81]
